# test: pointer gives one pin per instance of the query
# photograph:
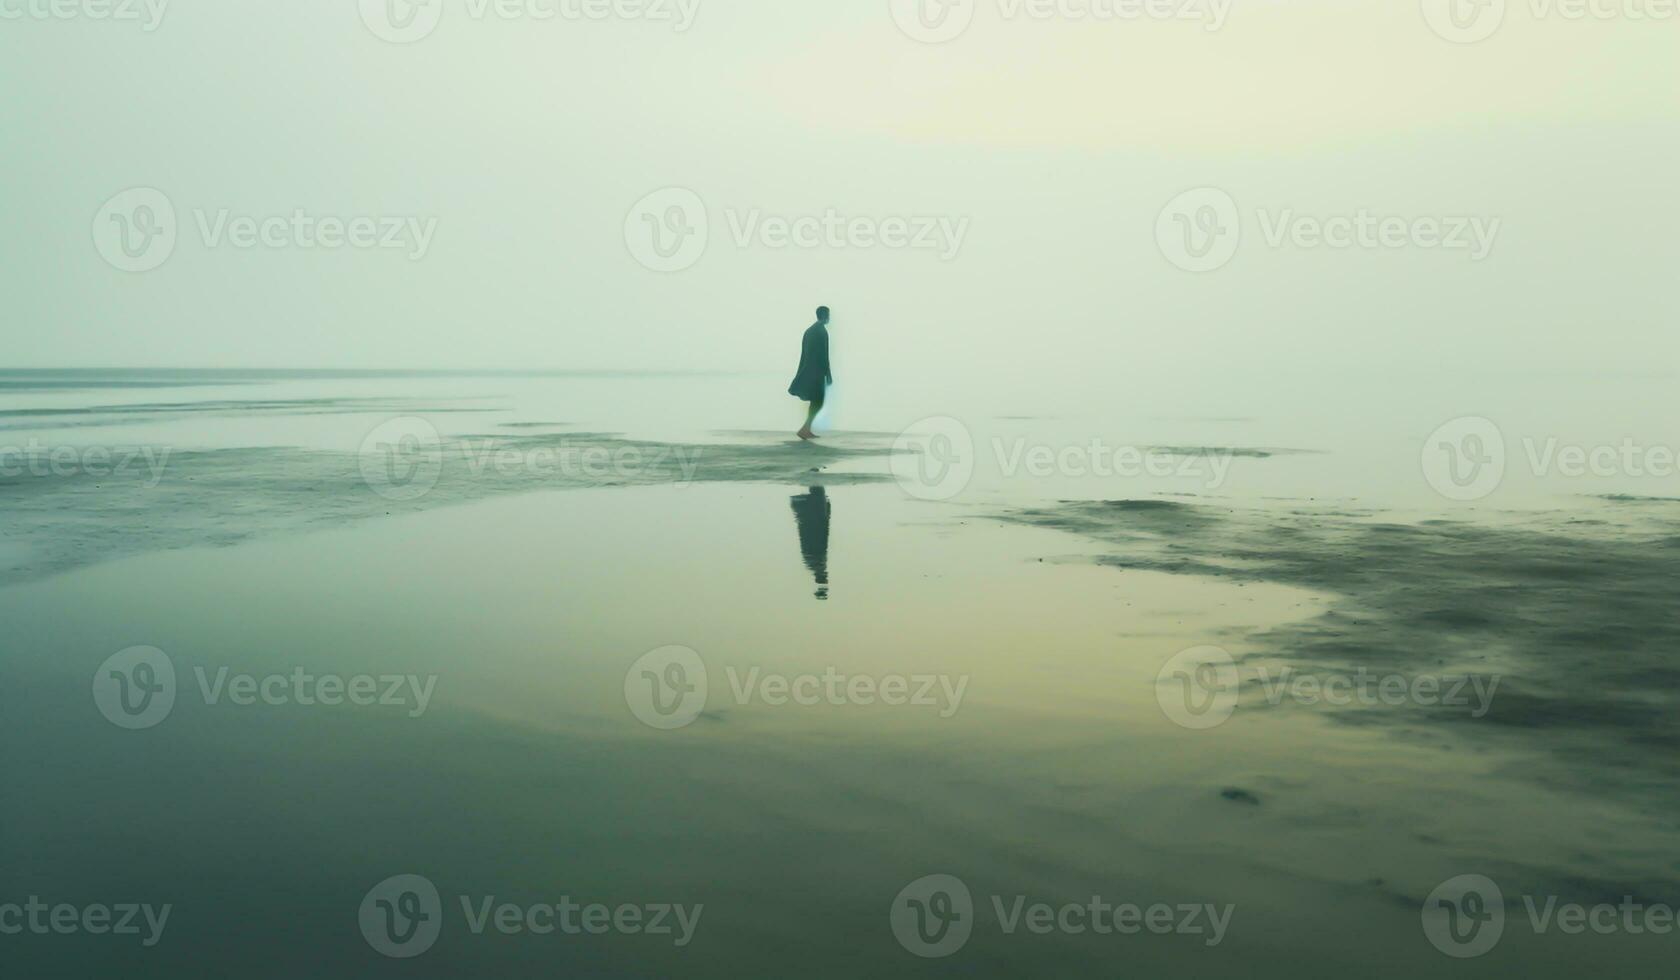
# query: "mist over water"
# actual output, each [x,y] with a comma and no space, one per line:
[1240,541]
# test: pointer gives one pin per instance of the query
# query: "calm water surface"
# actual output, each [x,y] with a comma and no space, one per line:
[514,764]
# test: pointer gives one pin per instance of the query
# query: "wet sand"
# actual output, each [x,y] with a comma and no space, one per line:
[527,599]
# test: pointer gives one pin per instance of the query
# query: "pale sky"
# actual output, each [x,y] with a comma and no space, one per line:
[1053,143]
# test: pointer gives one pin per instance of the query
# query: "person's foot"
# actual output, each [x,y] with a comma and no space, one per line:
[806,434]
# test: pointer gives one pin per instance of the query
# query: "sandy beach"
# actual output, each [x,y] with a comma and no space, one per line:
[981,687]
[923,488]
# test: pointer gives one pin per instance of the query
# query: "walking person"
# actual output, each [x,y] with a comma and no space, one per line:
[814,375]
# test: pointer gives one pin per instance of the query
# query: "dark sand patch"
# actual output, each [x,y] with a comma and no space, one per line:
[1226,452]
[102,415]
[849,435]
[57,521]
[1576,620]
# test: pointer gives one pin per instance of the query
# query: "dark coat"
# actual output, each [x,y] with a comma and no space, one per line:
[814,369]
[811,513]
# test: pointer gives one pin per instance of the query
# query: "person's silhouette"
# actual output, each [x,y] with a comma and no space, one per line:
[811,512]
[811,381]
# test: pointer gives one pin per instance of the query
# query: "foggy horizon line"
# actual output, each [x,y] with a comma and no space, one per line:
[373,371]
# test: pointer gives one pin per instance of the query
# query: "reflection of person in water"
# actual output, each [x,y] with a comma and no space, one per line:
[811,511]
[811,382]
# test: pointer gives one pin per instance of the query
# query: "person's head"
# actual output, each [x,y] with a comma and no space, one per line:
[822,314]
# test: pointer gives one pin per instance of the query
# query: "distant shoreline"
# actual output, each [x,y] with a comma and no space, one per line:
[367,372]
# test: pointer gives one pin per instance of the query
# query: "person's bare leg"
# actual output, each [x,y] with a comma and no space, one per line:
[811,416]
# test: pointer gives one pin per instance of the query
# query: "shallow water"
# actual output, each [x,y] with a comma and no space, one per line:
[527,598]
